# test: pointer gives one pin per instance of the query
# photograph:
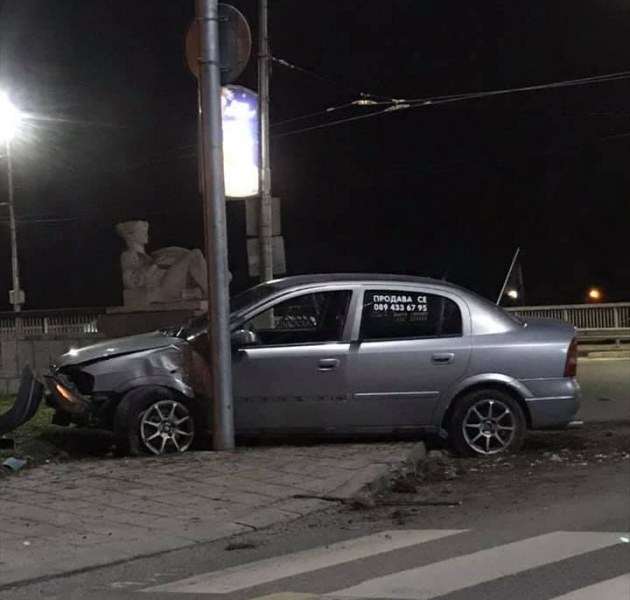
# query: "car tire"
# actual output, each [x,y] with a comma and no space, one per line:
[153,420]
[487,422]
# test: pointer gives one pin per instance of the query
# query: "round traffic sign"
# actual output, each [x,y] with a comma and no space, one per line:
[235,44]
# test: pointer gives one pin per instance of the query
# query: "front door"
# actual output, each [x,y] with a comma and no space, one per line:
[296,374]
[412,345]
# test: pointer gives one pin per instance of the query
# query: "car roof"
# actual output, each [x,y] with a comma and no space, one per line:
[367,278]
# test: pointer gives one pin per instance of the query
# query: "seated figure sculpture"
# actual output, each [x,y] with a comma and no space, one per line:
[170,274]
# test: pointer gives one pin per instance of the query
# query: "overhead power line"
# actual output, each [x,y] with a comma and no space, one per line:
[380,107]
[312,115]
[403,104]
[351,88]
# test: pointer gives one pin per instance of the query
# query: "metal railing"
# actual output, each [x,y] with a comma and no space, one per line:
[593,321]
[587,318]
[49,323]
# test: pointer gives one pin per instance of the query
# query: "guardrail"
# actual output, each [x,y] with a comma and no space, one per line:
[50,323]
[593,321]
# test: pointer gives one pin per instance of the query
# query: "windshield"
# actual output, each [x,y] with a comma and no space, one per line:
[238,304]
[251,296]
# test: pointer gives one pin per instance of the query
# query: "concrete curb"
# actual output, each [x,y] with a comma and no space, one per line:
[362,489]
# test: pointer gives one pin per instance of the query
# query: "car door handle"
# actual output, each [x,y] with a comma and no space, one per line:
[328,364]
[443,358]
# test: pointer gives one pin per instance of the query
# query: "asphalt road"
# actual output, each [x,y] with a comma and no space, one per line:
[549,523]
[605,386]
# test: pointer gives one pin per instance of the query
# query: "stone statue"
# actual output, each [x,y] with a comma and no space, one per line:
[170,274]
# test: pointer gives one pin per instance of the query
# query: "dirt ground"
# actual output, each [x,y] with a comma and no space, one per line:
[553,458]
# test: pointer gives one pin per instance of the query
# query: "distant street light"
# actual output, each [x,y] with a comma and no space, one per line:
[10,119]
[594,294]
[513,294]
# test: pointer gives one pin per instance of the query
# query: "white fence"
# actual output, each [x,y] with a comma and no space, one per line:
[591,320]
[67,323]
[84,322]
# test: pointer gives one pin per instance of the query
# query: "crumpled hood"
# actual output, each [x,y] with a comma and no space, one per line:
[109,348]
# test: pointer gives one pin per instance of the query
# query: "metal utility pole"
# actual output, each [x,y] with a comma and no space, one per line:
[216,227]
[16,296]
[265,217]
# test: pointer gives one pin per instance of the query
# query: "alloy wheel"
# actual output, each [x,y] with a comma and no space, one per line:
[489,426]
[166,426]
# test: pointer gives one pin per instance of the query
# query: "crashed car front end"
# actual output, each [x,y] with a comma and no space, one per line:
[85,386]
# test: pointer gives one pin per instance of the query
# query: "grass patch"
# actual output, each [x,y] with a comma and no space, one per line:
[39,441]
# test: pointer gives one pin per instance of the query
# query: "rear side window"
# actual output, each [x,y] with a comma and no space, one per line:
[395,314]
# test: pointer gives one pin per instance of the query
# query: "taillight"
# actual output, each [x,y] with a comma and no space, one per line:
[570,367]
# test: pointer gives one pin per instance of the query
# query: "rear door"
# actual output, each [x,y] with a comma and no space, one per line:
[410,345]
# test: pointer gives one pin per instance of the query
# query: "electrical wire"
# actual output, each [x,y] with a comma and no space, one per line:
[527,88]
[390,104]
[285,63]
[318,113]
[340,121]
[403,104]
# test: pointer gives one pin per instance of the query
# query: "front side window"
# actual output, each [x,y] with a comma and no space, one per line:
[396,314]
[310,318]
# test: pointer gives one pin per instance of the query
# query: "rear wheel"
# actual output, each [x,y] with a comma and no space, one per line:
[486,422]
[153,421]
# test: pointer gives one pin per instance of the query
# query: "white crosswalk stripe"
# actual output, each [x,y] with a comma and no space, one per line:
[430,581]
[611,589]
[424,582]
[264,571]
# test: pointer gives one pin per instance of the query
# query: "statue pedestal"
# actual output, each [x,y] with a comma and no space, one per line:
[121,321]
[135,300]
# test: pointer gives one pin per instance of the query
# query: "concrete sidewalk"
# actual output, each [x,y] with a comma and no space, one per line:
[59,518]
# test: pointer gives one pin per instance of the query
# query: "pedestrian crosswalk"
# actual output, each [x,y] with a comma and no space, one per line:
[617,588]
[253,574]
[406,570]
[472,569]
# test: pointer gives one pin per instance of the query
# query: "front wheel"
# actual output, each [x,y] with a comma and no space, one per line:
[153,421]
[487,422]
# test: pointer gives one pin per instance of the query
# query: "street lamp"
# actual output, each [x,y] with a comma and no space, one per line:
[10,119]
[594,294]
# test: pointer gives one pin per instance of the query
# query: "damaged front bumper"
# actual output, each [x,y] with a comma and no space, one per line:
[63,395]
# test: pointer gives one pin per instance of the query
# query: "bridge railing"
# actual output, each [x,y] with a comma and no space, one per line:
[593,321]
[604,318]
[50,323]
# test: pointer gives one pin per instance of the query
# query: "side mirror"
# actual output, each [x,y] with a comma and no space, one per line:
[242,338]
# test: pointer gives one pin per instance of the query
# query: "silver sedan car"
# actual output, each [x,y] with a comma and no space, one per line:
[335,355]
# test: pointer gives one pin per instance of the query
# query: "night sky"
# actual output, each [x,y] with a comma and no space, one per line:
[449,189]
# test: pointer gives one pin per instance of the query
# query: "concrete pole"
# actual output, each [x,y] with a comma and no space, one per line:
[15,267]
[264,220]
[222,413]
